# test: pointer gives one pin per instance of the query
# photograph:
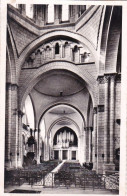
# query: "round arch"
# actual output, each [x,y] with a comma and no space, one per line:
[51,35]
[36,76]
[57,104]
[61,119]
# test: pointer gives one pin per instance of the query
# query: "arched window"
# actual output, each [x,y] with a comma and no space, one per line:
[50,13]
[76,54]
[57,51]
[29,10]
[30,112]
[47,52]
[66,50]
[65,12]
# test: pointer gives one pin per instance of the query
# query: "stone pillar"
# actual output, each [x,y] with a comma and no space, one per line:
[84,146]
[14,126]
[76,12]
[95,139]
[19,147]
[61,51]
[71,53]
[8,126]
[22,9]
[100,138]
[39,12]
[106,119]
[57,14]
[53,52]
[89,132]
[38,148]
[112,113]
[87,144]
[71,12]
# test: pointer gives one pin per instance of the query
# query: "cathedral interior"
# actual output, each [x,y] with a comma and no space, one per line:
[63,92]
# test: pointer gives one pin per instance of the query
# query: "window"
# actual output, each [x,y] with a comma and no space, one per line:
[57,48]
[29,10]
[65,12]
[50,13]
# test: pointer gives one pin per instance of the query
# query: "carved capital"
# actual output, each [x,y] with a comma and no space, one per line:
[106,78]
[11,86]
[101,80]
[88,128]
[118,78]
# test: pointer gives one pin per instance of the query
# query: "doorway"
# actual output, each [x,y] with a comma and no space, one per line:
[65,154]
[56,154]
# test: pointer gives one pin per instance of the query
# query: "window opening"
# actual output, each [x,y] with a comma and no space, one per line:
[50,13]
[65,12]
[57,48]
[29,10]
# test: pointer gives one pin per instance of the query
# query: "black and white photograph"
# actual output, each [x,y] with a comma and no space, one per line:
[63,104]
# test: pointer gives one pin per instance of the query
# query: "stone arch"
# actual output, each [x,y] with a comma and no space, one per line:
[57,65]
[57,104]
[113,41]
[11,56]
[61,119]
[103,45]
[50,35]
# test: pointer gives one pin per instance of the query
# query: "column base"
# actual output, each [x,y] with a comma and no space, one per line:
[109,167]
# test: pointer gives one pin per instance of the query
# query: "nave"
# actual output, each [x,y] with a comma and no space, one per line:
[67,175]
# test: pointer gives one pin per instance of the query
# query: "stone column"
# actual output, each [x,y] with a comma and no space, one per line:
[40,14]
[84,146]
[72,15]
[19,147]
[76,12]
[38,147]
[22,9]
[112,113]
[53,52]
[71,53]
[95,139]
[14,126]
[106,119]
[89,145]
[57,14]
[8,126]
[61,51]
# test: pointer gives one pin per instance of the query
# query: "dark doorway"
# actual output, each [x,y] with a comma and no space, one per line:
[65,154]
[73,155]
[56,154]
